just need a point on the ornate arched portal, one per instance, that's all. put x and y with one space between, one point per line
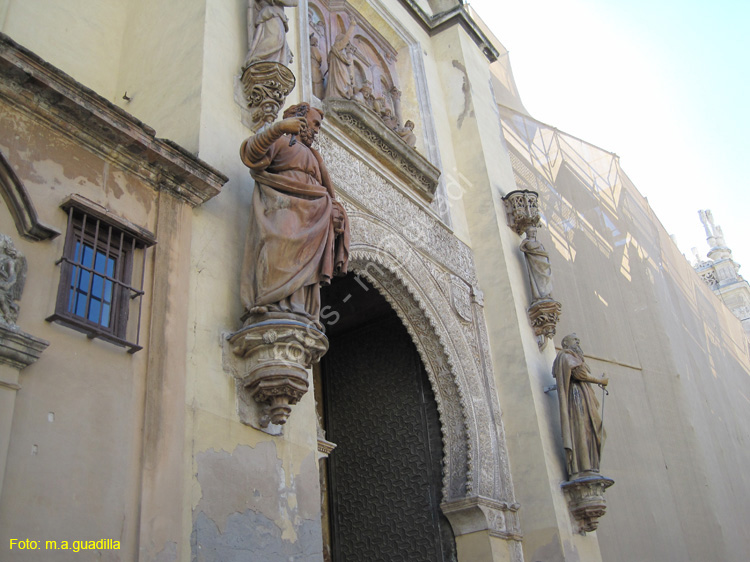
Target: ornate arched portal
451 340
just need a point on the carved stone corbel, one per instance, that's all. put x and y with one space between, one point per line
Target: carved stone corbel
275 357
477 513
266 86
586 500
544 315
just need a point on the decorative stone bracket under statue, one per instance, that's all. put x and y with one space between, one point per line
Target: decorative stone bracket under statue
523 217
271 373
583 435
586 500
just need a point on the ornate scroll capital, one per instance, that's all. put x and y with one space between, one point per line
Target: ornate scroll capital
544 315
586 500
266 86
521 209
276 355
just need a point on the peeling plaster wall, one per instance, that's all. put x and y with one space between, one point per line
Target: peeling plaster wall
73 464
249 509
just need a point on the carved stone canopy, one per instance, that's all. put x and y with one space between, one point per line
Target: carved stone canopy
521 209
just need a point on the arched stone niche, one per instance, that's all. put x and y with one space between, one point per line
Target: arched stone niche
375 60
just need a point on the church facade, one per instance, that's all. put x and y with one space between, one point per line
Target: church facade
148 413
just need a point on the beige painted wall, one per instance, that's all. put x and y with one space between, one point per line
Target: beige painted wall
678 364
73 465
83 38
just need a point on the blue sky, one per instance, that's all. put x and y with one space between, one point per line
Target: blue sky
664 84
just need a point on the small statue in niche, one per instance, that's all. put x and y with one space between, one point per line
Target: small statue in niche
582 430
298 235
340 59
267 37
316 58
406 132
12 278
538 265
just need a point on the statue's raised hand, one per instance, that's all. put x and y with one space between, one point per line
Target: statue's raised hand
293 125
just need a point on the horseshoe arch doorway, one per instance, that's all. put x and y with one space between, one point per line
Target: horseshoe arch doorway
382 485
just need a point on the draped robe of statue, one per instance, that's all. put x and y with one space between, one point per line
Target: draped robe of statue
269 32
340 81
538 266
292 247
582 432
316 68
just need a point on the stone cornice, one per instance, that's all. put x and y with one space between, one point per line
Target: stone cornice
368 129
458 15
34 86
18 348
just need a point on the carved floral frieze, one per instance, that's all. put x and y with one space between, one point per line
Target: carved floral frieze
367 130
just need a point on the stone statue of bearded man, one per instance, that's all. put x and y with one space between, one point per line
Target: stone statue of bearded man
298 234
582 432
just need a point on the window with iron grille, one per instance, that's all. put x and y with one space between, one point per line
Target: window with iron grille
101 257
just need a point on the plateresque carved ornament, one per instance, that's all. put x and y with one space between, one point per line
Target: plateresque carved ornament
586 500
266 86
277 356
521 209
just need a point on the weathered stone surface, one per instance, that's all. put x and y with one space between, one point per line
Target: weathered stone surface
370 131
586 500
30 84
275 358
245 496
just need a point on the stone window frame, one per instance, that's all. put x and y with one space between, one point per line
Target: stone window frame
116 238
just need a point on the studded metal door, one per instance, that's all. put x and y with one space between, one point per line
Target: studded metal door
385 475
